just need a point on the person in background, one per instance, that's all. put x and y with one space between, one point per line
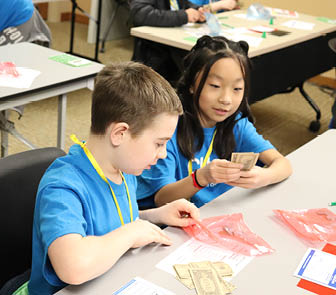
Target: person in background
86 215
164 59
21 22
216 122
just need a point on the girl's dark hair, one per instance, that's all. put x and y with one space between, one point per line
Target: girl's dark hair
199 60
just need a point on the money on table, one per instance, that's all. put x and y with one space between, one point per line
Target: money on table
206 276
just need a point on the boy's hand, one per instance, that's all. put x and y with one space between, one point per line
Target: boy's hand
145 233
178 213
219 171
194 15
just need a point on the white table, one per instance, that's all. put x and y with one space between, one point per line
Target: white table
280 63
312 185
56 79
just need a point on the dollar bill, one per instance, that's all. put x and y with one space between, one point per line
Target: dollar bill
222 268
187 282
247 159
206 281
200 264
219 269
182 271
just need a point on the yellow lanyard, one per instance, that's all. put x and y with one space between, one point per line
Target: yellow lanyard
207 155
174 5
102 175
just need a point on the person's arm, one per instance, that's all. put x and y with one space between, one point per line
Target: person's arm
153 13
222 5
277 169
217 171
77 259
177 213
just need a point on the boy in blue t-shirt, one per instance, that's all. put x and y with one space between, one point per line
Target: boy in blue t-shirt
86 215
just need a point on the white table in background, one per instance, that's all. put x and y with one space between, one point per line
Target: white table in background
56 79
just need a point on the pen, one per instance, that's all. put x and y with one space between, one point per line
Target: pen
332 204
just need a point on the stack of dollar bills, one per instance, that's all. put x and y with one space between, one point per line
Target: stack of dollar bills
247 159
207 277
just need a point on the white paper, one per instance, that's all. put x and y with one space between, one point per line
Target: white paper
262 29
139 286
297 24
282 12
319 267
241 15
251 40
194 251
234 34
24 80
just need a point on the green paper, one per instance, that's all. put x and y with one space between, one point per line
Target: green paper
228 26
191 39
326 20
70 60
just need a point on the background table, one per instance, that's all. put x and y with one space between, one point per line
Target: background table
279 64
311 186
56 79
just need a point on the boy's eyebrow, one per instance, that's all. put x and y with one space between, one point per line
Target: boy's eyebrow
164 138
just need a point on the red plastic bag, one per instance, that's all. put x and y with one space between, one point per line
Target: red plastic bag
8 68
313 225
230 232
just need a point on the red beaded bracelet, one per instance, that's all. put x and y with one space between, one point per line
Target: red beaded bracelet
195 182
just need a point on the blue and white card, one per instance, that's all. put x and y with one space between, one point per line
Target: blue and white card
139 286
318 267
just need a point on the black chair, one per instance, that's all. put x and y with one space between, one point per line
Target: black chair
332 45
20 175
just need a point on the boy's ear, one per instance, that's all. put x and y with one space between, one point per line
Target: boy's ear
117 132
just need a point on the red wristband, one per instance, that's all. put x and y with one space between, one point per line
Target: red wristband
195 182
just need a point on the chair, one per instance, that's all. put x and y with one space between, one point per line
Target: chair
20 175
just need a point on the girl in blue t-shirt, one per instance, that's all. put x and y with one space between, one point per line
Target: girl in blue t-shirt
216 122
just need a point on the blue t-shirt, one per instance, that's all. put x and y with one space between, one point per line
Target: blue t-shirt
73 198
15 12
175 166
200 2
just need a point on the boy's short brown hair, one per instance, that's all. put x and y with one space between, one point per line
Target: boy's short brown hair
133 93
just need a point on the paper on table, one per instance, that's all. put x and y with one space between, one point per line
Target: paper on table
297 24
193 251
316 288
139 286
319 267
24 80
235 34
261 29
241 15
251 40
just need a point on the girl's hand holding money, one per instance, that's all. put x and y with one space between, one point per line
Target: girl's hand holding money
218 171
254 178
